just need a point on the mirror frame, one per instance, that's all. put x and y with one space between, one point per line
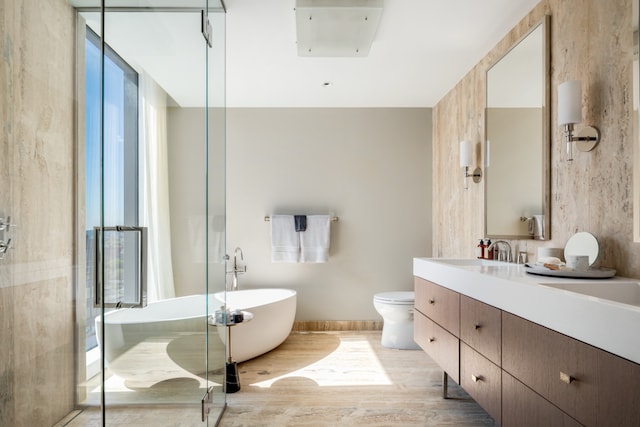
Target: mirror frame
546 131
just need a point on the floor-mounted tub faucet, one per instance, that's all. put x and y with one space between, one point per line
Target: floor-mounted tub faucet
237 270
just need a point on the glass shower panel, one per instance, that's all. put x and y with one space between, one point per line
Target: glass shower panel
155 169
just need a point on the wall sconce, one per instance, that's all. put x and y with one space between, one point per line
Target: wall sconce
570 113
467 149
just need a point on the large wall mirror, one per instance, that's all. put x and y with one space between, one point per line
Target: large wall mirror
517 140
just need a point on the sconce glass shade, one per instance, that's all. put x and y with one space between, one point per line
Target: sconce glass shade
466 154
570 102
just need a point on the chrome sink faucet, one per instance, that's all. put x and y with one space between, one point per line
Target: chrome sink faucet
237 270
503 254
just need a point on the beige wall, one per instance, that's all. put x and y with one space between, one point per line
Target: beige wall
370 167
36 189
188 198
594 193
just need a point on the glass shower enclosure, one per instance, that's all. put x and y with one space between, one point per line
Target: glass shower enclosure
151 210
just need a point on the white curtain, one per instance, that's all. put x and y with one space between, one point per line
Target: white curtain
155 216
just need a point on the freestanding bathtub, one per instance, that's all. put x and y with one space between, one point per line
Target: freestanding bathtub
168 336
273 310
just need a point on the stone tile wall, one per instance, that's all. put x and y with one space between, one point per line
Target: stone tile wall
592 41
36 189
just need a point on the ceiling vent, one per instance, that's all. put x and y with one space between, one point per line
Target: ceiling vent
336 28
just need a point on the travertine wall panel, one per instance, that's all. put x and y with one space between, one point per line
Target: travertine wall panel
36 190
591 41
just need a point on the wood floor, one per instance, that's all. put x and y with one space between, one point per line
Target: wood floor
322 379
346 379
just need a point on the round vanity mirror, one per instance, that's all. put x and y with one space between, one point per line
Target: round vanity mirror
583 244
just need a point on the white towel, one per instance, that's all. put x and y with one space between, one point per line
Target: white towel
314 242
285 241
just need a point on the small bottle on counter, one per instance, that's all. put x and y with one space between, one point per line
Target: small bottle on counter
480 250
488 254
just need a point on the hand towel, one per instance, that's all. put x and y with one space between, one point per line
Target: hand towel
301 222
314 242
285 241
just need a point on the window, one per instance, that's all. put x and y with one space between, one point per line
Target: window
120 163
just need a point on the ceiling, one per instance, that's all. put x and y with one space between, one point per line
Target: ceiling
421 50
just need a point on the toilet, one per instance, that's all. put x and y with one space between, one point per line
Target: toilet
396 309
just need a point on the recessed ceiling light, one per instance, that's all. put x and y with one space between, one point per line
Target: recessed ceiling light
326 84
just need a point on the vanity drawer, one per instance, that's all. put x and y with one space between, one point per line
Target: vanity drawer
482 379
522 407
481 328
559 368
443 347
440 304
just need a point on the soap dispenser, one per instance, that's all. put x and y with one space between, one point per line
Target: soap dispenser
480 250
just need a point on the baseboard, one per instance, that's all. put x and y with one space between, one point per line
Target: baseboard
336 325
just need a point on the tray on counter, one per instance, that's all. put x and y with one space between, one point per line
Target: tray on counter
591 273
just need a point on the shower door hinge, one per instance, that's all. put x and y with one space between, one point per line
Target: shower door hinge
206 28
207 403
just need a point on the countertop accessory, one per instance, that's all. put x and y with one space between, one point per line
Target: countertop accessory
591 273
583 244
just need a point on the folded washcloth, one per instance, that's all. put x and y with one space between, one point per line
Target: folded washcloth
285 241
314 242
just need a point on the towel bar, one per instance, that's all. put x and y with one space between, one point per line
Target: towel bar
267 218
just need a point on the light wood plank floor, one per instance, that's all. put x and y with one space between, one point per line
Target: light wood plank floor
346 379
322 379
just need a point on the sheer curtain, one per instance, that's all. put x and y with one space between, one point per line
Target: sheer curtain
153 136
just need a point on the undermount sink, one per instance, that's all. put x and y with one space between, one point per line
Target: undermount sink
619 291
471 262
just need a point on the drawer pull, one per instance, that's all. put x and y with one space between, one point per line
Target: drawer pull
477 326
432 301
431 339
476 378
566 378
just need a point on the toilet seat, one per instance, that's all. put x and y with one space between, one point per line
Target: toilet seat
398 298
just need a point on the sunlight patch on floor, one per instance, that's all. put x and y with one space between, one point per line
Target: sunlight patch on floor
353 363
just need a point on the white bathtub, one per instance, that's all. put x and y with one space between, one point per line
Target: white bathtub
168 336
273 310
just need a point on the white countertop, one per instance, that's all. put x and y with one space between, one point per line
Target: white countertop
606 324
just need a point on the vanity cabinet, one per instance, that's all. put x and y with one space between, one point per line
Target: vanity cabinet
436 325
522 373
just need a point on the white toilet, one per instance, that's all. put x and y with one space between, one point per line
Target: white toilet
396 309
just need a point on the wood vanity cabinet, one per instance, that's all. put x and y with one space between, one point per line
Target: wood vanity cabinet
524 374
436 325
